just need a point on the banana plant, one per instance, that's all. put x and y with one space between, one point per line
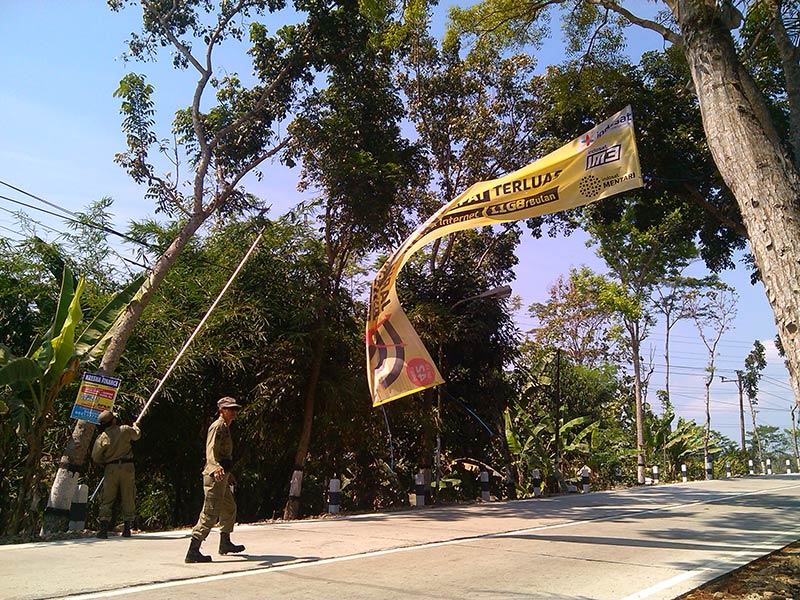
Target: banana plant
676 446
533 444
30 384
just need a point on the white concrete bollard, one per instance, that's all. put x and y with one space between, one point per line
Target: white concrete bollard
585 479
769 466
655 474
709 470
537 483
750 466
334 495
788 467
77 510
419 489
485 486
728 469
683 473
296 483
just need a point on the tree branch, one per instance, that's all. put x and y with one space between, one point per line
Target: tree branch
664 32
700 201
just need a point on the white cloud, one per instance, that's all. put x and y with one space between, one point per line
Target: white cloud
771 352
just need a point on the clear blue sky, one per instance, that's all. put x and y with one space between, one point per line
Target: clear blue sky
60 129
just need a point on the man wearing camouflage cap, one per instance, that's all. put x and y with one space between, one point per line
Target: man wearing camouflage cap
218 482
112 449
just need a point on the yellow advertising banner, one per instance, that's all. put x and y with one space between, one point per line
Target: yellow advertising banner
601 163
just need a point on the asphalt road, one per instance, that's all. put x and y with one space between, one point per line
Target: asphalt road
652 542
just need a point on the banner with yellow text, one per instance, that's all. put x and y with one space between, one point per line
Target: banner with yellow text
601 163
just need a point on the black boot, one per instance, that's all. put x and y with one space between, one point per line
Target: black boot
226 546
103 532
193 555
126 532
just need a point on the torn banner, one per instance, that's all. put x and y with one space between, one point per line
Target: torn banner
601 163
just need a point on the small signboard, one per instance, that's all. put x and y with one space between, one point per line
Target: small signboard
96 394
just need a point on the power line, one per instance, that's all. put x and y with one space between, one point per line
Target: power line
62 233
12 231
777 382
39 223
92 226
35 197
83 223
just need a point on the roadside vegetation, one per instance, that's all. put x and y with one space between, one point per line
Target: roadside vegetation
387 123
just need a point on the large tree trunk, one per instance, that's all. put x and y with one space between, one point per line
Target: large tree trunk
751 160
74 458
791 74
293 504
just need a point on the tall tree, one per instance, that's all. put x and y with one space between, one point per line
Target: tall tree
355 158
739 118
575 320
674 301
754 364
473 117
640 253
713 312
222 140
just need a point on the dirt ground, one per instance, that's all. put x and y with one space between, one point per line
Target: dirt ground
774 577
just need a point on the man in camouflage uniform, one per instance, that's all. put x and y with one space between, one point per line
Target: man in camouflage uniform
112 449
218 483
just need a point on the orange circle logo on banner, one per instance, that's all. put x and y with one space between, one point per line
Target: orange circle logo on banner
420 371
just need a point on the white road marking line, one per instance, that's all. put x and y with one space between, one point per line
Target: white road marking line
666 584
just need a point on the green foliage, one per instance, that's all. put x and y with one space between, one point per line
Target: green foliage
502 23
670 448
590 407
30 385
754 364
575 319
138 109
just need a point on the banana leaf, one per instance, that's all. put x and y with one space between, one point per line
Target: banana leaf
93 339
20 371
64 343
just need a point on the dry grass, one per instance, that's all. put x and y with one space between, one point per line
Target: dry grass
774 577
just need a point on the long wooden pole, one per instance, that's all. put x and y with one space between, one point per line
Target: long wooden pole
199 326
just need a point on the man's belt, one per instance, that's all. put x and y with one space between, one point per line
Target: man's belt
120 461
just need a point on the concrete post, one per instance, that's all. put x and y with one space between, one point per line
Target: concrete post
683 473
585 479
769 466
334 495
655 474
77 510
788 467
709 470
618 476
537 483
750 467
419 489
728 469
485 486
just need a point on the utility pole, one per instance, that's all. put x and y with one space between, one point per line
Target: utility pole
557 416
741 408
738 382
